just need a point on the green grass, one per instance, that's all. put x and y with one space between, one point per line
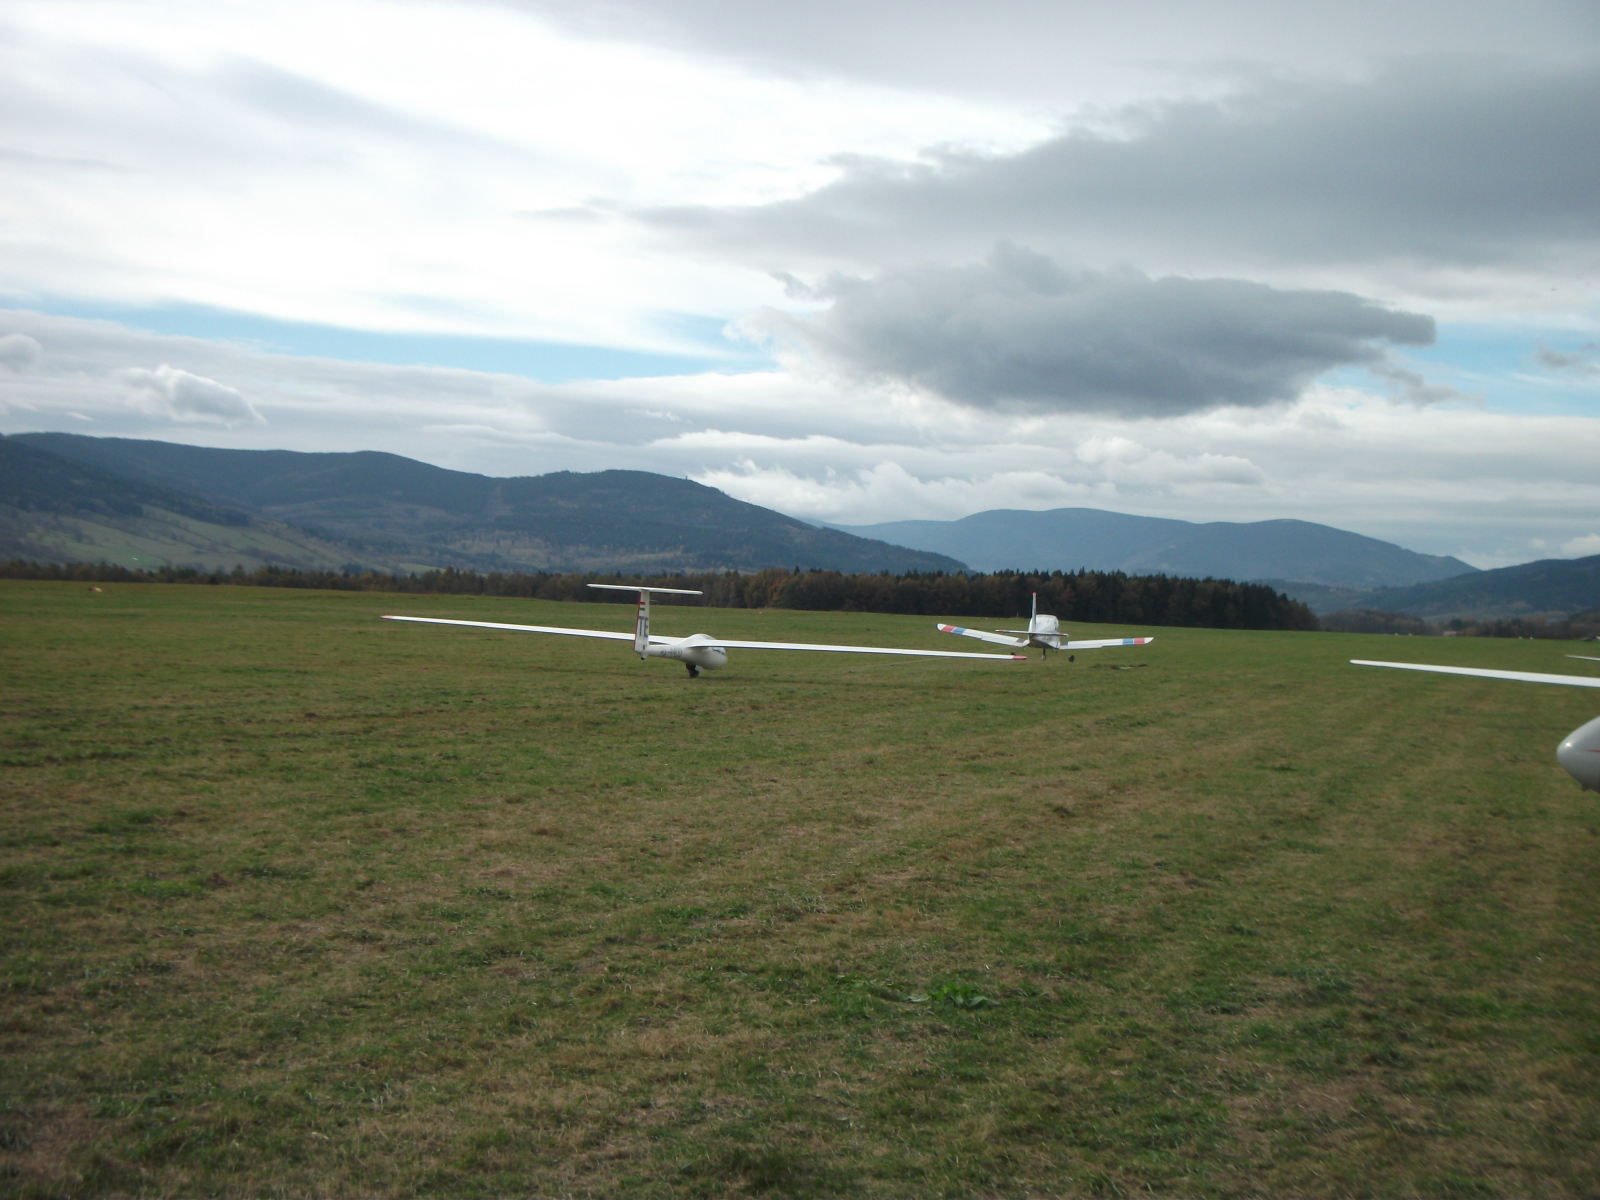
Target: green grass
298 902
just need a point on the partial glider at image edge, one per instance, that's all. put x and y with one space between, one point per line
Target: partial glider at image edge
698 651
1579 751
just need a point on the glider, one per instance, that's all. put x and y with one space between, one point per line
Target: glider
698 651
1579 752
1043 631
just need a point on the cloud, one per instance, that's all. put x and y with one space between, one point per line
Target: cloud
1582 547
1440 176
1469 481
369 181
1057 51
1414 388
1122 460
169 391
1018 330
18 351
1577 364
843 495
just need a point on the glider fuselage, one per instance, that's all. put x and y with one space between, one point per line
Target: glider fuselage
697 650
1579 754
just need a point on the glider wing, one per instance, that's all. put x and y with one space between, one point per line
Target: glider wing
589 633
864 650
1521 676
657 639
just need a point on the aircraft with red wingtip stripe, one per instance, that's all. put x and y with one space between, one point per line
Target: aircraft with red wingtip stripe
1043 631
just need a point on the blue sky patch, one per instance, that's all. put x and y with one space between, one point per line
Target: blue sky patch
548 362
1501 365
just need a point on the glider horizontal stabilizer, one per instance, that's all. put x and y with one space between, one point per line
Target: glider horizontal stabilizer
630 587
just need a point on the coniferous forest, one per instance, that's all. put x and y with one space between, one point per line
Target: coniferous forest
1084 596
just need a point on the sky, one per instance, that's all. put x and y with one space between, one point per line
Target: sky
857 262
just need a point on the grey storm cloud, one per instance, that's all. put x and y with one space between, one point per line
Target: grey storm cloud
1018 330
1461 165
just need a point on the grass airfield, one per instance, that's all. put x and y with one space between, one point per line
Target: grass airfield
298 902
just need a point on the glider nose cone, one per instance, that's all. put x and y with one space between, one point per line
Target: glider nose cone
1579 753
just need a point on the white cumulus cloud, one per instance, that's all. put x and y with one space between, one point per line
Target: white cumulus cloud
172 392
1582 547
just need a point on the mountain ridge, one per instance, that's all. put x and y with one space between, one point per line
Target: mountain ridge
1548 587
1069 538
393 513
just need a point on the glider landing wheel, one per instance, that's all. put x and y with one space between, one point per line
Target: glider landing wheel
694 671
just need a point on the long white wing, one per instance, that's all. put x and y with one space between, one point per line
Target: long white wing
1107 642
1522 676
983 635
864 650
590 633
657 639
1585 657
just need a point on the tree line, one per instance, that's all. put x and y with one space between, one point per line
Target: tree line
1101 597
1581 626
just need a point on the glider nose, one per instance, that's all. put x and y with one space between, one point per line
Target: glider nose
1579 753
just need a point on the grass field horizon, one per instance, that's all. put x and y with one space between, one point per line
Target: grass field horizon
300 902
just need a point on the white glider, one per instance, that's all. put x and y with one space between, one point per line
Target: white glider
698 651
1043 631
1579 752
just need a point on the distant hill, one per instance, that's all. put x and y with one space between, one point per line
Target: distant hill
392 513
1551 587
33 480
56 510
1069 538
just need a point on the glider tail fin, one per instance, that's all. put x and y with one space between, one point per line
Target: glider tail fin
641 628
